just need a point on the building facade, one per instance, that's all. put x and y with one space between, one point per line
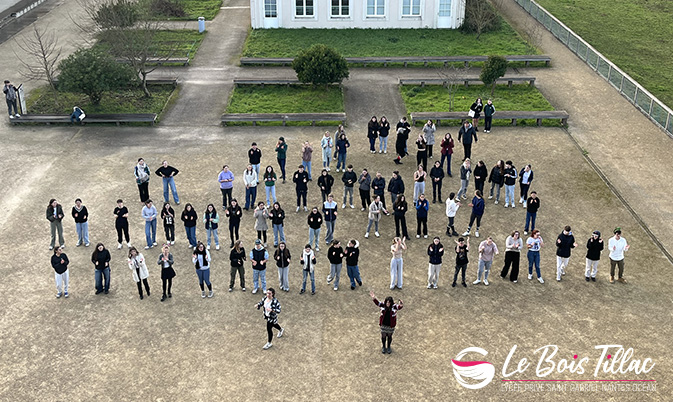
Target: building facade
357 13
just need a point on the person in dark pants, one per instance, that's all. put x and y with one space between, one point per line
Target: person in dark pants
478 205
462 248
226 180
101 262
234 213
525 180
55 217
465 136
372 133
480 174
476 107
271 311
300 179
513 246
401 144
532 205
489 111
594 248
436 176
168 217
325 182
142 175
387 319
379 187
422 152
422 206
365 182
138 268
165 261
121 214
10 92
237 258
400 209
395 186
281 155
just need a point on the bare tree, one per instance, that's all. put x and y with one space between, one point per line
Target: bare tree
43 54
480 15
453 77
533 33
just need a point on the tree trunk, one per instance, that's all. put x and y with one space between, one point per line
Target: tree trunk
144 84
493 88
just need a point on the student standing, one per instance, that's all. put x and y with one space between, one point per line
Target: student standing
142 175
465 136
594 248
254 159
422 151
375 209
465 172
534 244
480 176
384 131
149 214
462 248
308 261
510 181
379 187
397 263
271 311
476 107
617 246
496 178
306 156
532 205
283 257
59 261
349 178
436 175
281 155
525 180
168 218
139 270
489 111
335 255
352 267
329 209
478 205
452 205
81 216
226 179
387 320
314 221
419 182
101 262
564 243
11 92
372 133
326 144
55 216
270 184
300 179
487 250
211 220
422 207
435 252
167 174
447 150
188 217
395 186
121 214
165 261
325 183
201 260
250 179
342 146
234 214
277 216
365 183
513 246
261 215
400 209
429 132
259 257
237 257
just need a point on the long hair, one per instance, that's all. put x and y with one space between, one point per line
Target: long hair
188 205
268 174
284 253
51 202
131 250
94 255
400 200
237 245
385 303
502 167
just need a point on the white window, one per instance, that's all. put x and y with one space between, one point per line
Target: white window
376 8
270 9
340 8
304 8
444 8
411 8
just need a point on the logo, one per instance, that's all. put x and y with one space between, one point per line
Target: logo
474 370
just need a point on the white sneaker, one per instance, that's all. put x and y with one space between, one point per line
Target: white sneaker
540 279
343 206
329 279
467 233
425 236
211 293
305 209
525 204
128 245
317 248
255 289
506 206
336 288
563 271
217 247
525 232
147 247
17 115
476 234
418 236
362 209
513 205
380 151
11 117
490 197
496 202
297 209
385 152
154 244
367 235
530 276
429 286
119 246
434 286
268 345
203 294
476 282
377 234
485 281
521 201
280 334
352 206
173 243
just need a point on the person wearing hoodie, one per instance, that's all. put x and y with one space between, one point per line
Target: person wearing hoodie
212 220
400 210
342 146
379 187
489 111
395 186
496 178
314 221
300 179
435 252
237 257
480 176
452 205
81 216
277 216
59 261
401 143
429 130
142 175
349 178
525 180
564 243
55 217
281 155
121 214
259 257
335 255
168 218
325 183
510 177
465 136
308 262
384 130
422 206
365 182
375 209
594 248
372 133
436 176
283 257
352 268
101 262
189 218
478 207
234 213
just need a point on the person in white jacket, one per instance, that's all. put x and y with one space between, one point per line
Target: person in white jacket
308 262
452 205
375 209
250 179
139 270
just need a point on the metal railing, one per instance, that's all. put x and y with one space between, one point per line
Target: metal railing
640 97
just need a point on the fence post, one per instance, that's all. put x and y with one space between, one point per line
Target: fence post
621 85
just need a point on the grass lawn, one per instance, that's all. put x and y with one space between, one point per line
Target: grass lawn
385 42
44 101
435 98
195 9
177 43
636 35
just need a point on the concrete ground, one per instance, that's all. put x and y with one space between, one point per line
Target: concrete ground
117 347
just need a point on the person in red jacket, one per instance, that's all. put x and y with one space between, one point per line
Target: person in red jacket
387 319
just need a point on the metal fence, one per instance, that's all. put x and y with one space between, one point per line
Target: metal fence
640 97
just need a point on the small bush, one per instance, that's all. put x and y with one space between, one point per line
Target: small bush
320 64
167 8
116 14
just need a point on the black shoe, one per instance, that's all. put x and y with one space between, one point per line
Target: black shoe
231 245
455 234
352 287
99 292
107 291
450 175
587 279
397 161
453 285
359 283
464 284
384 350
390 350
301 292
170 295
141 297
312 292
163 297
148 293
593 279
434 201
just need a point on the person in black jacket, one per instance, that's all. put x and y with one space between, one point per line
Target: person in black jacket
532 205
283 257
564 243
480 174
436 176
314 221
465 136
372 133
489 111
325 183
168 218
594 248
395 186
189 218
349 178
55 216
277 216
476 107
121 214
379 187
497 178
167 173
510 181
384 130
237 257
300 179
81 216
352 255
101 262
400 208
435 252
59 261
401 143
234 213
335 255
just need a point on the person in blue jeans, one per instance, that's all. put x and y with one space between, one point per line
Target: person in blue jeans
101 262
329 210
352 268
534 244
308 262
532 205
189 218
167 174
342 146
201 260
211 219
149 214
510 181
259 257
81 216
277 216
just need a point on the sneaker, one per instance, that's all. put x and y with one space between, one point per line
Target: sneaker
425 236
385 152
390 350
490 197
367 235
119 246
336 288
622 280
496 202
563 271
429 286
384 350
464 196
267 346
106 291
467 233
380 151
317 248
464 284
58 295
337 170
87 244
515 281
587 278
476 234
65 295
99 292
242 289
542 280
612 279
312 292
513 205
525 204
217 247
79 243
305 209
453 285
211 293
362 209
51 247
147 247
434 286
254 291
506 206
352 287
593 279
128 245
154 244
11 117
418 236
485 282
203 294
352 206
301 292
343 206
377 234
530 276
359 283
169 295
62 246
558 279
163 297
329 279
476 282
231 289
297 209
280 334
525 232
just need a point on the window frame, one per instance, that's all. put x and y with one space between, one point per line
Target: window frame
305 16
411 9
341 16
264 4
375 16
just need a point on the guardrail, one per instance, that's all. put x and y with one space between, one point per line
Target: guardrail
20 13
640 97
